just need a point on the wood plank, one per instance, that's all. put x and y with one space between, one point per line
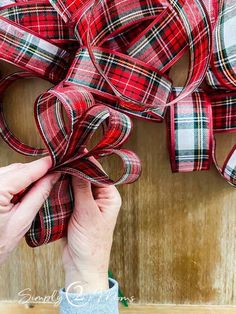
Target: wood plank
175 237
133 309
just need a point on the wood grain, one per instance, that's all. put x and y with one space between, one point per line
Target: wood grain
175 238
132 309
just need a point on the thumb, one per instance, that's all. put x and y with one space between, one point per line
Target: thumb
82 191
26 210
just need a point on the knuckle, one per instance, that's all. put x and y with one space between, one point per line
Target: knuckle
5 198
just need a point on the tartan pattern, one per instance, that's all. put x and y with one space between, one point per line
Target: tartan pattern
67 9
229 168
121 41
67 148
162 42
107 20
52 220
131 78
191 133
198 29
28 51
212 81
40 18
110 74
224 111
108 17
212 7
224 46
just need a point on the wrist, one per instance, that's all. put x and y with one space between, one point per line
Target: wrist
85 282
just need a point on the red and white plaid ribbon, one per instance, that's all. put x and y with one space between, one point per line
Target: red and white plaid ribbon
104 72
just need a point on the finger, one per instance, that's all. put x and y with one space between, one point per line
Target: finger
105 192
6 208
33 201
25 174
82 191
10 167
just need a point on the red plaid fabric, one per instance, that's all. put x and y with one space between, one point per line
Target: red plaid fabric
212 7
132 78
212 81
41 18
190 133
229 168
169 48
114 73
24 48
67 148
52 220
68 9
223 62
157 45
224 111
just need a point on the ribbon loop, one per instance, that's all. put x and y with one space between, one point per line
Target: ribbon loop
229 169
223 61
198 30
40 17
50 121
190 131
22 47
132 78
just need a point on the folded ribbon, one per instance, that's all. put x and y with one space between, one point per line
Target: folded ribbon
103 72
191 133
223 62
191 124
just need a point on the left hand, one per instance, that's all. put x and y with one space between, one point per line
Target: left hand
15 220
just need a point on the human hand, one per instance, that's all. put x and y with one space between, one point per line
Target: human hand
86 253
16 219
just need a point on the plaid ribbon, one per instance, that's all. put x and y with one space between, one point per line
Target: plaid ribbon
196 26
24 48
224 118
41 18
190 133
111 74
131 77
68 9
67 148
223 61
110 24
191 124
224 111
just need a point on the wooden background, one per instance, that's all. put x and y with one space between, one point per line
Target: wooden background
175 237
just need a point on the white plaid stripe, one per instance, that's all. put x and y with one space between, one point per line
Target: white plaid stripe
191 134
41 54
6 2
229 171
212 81
224 43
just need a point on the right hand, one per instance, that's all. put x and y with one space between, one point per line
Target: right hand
90 233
